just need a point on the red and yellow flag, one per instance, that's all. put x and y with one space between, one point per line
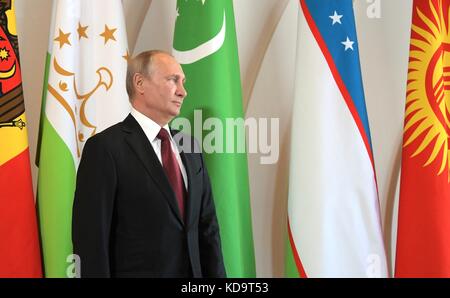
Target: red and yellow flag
423 239
19 241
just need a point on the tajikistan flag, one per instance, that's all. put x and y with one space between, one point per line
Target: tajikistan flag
84 94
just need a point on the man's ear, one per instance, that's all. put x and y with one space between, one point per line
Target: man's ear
138 82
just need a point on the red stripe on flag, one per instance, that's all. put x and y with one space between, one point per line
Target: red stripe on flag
298 262
19 241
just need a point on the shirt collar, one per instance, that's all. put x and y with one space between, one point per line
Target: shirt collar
150 127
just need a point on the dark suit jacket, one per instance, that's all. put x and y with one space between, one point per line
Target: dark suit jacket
126 221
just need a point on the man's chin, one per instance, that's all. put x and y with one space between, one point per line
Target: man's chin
176 112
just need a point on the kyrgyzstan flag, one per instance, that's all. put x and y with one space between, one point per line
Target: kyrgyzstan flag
423 239
19 242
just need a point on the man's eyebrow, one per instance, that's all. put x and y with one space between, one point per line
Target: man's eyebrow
177 76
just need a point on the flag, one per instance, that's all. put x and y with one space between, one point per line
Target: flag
206 46
19 241
84 93
423 238
334 223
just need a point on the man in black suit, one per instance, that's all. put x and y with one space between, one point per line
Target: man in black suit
143 207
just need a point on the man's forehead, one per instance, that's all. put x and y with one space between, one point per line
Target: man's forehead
165 59
168 64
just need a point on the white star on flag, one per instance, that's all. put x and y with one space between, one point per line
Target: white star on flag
336 18
348 44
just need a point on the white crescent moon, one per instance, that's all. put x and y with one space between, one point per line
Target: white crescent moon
203 50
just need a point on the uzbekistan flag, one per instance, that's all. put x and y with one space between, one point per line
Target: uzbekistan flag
334 221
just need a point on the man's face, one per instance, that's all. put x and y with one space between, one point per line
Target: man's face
163 89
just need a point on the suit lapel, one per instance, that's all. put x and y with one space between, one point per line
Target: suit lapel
141 146
191 191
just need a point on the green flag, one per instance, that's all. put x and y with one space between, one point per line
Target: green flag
205 44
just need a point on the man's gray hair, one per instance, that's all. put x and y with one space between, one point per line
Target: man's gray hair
142 63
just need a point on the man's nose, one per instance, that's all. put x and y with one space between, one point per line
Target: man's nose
181 91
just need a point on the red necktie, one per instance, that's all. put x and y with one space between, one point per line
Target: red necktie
172 169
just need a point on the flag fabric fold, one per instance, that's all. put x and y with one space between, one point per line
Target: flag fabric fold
334 224
19 241
206 46
84 93
423 238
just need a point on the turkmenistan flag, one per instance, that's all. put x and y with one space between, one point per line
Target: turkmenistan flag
84 94
206 46
19 241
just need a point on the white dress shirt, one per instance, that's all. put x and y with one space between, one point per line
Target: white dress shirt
151 130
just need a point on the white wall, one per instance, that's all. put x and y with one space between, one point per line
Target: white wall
266 31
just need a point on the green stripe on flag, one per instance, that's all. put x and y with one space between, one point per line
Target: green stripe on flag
56 188
290 266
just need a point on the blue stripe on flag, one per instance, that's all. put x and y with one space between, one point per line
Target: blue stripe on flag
336 22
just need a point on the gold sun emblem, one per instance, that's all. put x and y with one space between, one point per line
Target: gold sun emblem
4 54
428 93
